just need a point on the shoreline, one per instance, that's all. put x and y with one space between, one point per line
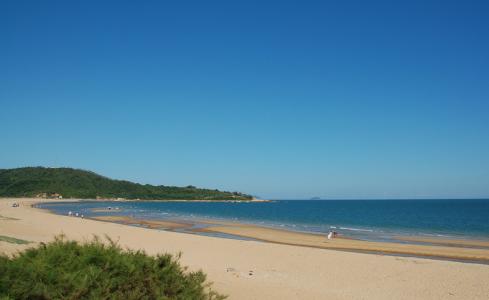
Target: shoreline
389 235
277 271
469 250
463 250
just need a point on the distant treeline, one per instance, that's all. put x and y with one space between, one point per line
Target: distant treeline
74 183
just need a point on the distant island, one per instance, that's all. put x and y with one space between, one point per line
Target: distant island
59 183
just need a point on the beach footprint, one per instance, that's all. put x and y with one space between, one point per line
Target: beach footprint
239 274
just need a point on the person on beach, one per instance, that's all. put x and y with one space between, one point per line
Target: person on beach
330 235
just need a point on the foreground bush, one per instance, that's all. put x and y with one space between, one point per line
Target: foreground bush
69 270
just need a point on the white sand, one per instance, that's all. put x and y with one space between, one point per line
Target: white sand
279 271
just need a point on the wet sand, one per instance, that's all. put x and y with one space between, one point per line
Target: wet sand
452 251
447 242
154 224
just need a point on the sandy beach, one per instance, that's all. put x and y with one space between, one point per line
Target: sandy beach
289 266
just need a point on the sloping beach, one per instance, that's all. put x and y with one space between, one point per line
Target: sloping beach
259 270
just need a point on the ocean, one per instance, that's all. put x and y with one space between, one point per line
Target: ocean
375 220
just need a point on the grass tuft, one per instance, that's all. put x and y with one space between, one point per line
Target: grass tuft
66 269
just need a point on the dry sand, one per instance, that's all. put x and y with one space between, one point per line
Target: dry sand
258 270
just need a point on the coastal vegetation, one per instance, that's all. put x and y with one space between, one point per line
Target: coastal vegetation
81 184
12 240
68 270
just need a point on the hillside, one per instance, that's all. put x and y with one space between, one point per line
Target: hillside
74 183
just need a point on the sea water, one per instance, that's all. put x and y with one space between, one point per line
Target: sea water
376 220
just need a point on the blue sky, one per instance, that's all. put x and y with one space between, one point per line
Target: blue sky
285 99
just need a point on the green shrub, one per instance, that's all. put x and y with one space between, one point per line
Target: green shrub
70 270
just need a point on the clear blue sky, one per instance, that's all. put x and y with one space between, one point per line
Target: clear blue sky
285 99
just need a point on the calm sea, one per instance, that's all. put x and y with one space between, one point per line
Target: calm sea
366 219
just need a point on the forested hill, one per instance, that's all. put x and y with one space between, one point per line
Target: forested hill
74 183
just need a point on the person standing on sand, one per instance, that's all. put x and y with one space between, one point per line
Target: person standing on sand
330 235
